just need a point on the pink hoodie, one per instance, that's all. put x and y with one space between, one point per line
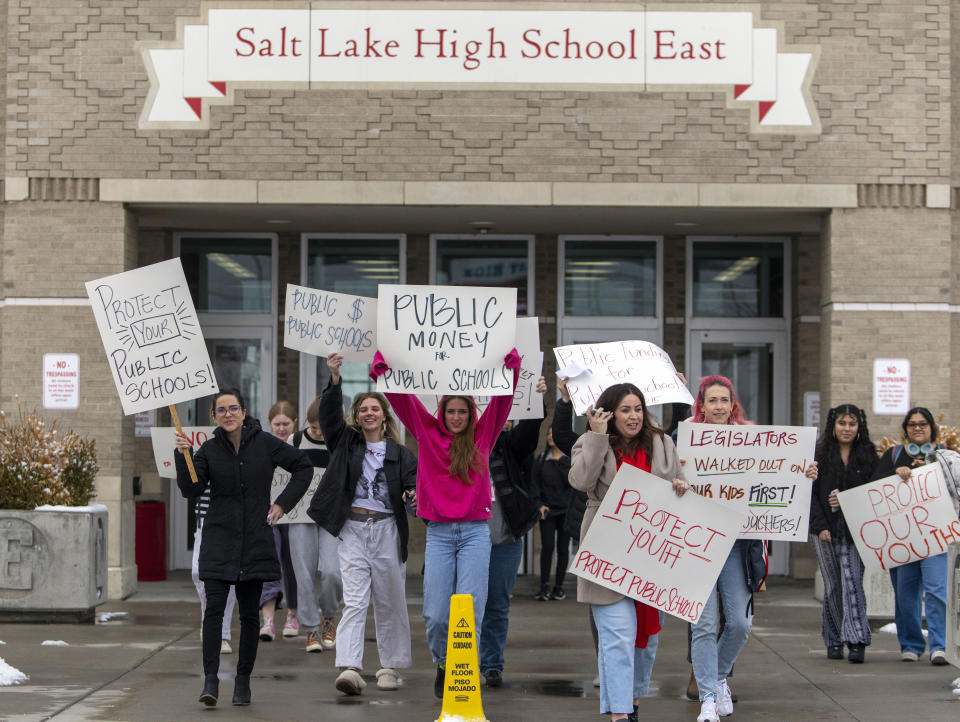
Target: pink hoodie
441 496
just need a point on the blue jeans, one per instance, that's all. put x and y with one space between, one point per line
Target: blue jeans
625 669
915 585
713 658
456 561
504 563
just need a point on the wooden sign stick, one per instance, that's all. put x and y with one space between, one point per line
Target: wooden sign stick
186 457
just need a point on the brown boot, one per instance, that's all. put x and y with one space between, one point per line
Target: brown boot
693 692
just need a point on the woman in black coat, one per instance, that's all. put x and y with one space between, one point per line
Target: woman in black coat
238 548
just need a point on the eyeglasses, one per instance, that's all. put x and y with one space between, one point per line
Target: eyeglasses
918 425
223 410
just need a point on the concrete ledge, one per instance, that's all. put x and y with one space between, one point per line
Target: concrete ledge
458 193
16 188
331 192
938 195
129 190
625 194
121 581
778 195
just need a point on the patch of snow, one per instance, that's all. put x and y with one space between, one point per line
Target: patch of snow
54 643
955 683
107 616
956 693
89 507
889 628
11 675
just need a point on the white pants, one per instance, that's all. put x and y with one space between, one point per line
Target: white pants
370 562
313 548
195 575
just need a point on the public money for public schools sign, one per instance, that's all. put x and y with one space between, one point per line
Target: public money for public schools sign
446 339
894 522
321 322
152 337
165 443
593 368
651 545
527 403
513 45
759 471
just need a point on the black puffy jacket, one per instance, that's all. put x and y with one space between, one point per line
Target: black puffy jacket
237 541
565 437
513 494
331 503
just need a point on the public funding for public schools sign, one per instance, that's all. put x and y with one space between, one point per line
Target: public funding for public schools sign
515 45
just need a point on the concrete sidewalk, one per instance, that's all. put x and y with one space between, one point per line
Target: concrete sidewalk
146 666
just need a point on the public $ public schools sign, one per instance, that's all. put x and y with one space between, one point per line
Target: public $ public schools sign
498 46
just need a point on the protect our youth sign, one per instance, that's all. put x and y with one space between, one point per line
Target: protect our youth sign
648 544
151 334
527 403
323 322
592 368
894 521
446 339
759 471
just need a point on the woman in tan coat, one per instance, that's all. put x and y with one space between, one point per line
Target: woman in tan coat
620 431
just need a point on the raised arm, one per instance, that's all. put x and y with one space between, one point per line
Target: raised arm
330 410
408 408
495 415
563 434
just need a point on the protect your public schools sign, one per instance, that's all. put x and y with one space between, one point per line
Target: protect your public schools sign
496 45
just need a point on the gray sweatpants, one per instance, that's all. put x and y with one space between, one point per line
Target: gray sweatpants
311 549
370 561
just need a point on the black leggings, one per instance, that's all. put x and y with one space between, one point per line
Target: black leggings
248 602
551 530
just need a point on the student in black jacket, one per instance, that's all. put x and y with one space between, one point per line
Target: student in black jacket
362 499
552 493
238 546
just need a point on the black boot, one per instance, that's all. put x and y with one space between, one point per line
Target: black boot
241 690
856 653
211 688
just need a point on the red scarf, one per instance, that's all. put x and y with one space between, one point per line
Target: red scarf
648 618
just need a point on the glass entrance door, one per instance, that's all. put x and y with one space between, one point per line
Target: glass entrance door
242 358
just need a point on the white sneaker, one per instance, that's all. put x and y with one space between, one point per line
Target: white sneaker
388 679
708 711
225 647
724 699
350 682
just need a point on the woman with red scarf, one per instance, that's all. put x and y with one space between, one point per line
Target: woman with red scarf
620 431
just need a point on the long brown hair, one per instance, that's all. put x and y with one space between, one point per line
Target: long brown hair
609 401
464 454
389 425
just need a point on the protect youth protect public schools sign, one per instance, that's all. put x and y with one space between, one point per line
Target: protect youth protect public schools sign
652 48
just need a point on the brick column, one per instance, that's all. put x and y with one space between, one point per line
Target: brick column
49 250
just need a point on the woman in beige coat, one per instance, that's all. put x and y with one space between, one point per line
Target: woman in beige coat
620 431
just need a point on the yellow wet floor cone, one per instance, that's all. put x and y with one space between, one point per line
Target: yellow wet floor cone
461 682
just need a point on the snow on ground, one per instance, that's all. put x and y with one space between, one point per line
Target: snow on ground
10 675
107 616
54 643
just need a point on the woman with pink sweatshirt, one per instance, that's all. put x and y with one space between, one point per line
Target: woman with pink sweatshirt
453 497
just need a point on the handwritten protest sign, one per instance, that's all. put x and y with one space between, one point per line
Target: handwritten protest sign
298 514
527 403
321 322
164 444
648 544
758 471
594 367
152 337
894 522
446 339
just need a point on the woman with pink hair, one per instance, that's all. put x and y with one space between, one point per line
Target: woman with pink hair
713 657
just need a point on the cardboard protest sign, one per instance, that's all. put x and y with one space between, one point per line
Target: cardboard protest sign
446 339
298 514
527 403
894 522
323 322
592 368
165 444
648 544
151 334
758 471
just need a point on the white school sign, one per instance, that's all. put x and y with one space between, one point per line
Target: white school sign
151 334
648 544
323 322
759 471
495 45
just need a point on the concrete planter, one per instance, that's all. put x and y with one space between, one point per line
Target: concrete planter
53 563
